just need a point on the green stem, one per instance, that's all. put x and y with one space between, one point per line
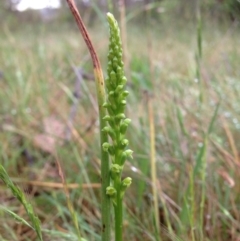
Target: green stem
105 174
118 209
101 96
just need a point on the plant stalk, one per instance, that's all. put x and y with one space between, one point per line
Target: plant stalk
118 211
117 124
101 96
153 168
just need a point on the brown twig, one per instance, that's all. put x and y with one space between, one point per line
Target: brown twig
57 184
82 28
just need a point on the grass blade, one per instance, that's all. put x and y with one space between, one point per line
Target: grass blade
18 193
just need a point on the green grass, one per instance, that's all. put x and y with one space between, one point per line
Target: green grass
36 61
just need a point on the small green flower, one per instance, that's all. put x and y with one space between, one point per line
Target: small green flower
125 155
125 184
112 193
106 146
116 171
116 168
124 125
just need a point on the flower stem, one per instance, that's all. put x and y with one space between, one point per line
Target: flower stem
118 211
105 175
101 96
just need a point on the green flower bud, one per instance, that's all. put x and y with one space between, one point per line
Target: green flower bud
123 102
115 168
115 171
123 80
119 71
113 76
111 191
121 62
120 116
107 118
105 146
109 130
125 94
124 126
125 184
123 158
124 143
111 93
126 154
115 60
119 88
105 105
108 106
116 49
129 153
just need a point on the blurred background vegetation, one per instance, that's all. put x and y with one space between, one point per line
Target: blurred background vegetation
182 61
181 9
